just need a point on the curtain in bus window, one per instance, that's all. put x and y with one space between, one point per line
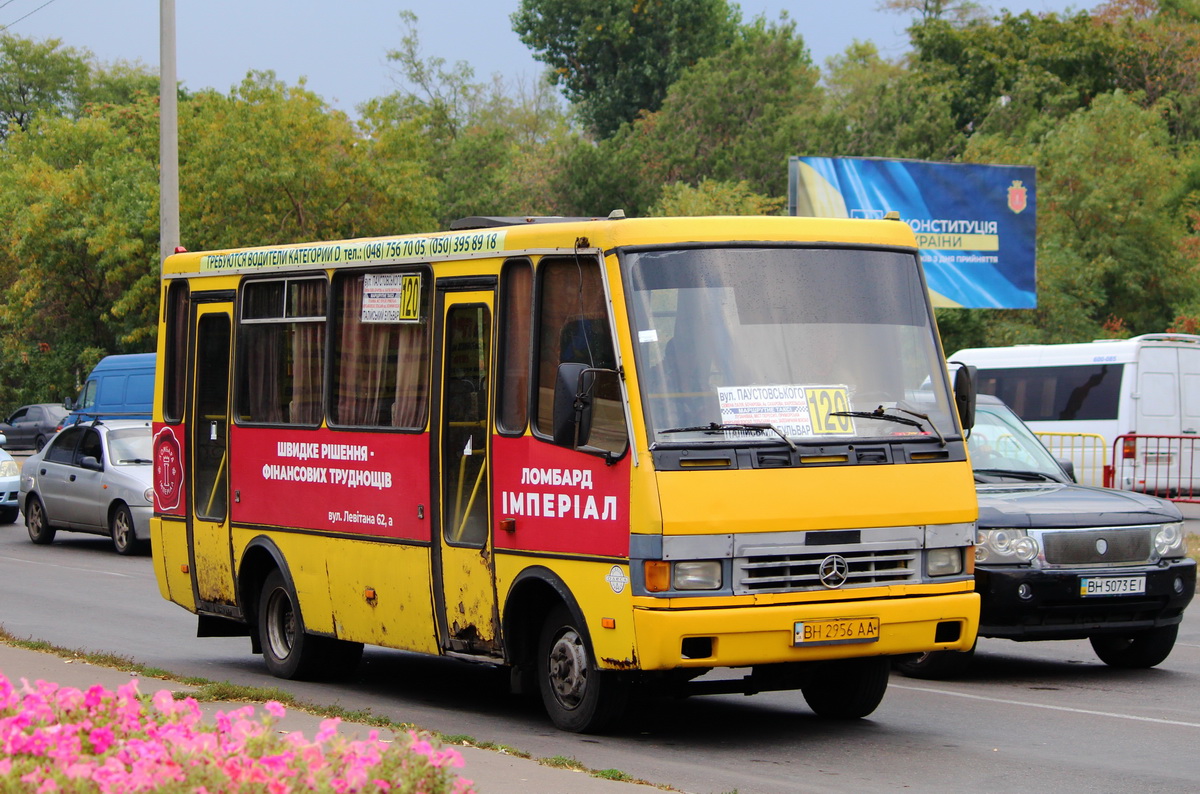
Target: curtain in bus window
361 390
281 364
412 376
380 379
308 352
261 373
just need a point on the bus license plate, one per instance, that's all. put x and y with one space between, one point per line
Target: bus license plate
829 632
1112 585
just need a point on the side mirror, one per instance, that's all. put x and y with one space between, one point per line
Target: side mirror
3 439
964 395
91 462
69 403
1069 467
573 404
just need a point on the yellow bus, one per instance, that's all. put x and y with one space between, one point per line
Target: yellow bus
618 456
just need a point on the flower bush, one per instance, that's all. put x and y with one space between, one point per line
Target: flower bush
61 739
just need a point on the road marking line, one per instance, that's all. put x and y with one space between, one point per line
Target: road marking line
1047 706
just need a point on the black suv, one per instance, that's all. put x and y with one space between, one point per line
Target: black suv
1059 561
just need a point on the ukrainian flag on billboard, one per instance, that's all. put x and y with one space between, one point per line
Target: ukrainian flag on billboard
976 224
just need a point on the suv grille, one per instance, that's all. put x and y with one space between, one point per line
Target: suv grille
1083 546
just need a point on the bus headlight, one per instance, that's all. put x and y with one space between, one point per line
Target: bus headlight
998 546
1168 540
698 575
943 562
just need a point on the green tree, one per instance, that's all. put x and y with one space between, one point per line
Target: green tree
956 11
38 77
271 163
493 148
880 108
1157 57
712 197
79 247
617 58
1019 75
733 117
1109 241
740 113
119 83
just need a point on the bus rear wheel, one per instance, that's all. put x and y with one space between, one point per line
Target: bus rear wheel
288 651
578 697
848 689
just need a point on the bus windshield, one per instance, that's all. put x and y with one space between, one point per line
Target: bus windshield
809 344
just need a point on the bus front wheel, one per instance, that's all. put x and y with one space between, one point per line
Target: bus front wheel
848 689
578 697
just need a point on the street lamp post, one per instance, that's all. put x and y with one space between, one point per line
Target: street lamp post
168 134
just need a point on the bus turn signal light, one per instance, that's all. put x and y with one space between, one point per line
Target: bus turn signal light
658 576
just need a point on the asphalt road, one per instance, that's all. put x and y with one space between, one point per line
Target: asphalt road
1048 716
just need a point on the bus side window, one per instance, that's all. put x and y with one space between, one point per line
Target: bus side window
573 326
178 305
380 372
516 320
281 362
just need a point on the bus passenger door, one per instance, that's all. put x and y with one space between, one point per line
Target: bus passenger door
208 472
464 572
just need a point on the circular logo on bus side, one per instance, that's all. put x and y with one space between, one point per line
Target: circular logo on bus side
616 579
834 571
168 471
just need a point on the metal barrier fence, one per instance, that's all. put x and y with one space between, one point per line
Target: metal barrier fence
1161 465
1088 452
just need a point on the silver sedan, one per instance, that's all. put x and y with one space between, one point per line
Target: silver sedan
95 478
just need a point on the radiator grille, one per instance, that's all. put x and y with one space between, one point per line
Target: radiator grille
1092 546
786 573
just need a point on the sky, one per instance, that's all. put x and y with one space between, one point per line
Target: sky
340 46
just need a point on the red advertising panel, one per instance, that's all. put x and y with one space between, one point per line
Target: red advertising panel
560 500
373 484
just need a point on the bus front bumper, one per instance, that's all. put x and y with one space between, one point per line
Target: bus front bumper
756 635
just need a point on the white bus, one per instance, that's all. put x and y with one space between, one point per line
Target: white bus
1147 385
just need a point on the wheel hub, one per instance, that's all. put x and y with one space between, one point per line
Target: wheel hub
282 623
568 669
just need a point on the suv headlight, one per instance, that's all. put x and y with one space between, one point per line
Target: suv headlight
1169 540
9 468
999 546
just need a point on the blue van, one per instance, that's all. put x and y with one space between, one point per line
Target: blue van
119 386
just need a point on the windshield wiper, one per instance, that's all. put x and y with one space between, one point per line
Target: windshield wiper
1019 474
716 427
880 413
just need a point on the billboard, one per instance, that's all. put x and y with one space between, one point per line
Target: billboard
975 224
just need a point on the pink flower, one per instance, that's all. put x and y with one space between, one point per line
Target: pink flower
164 701
275 709
328 729
102 739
